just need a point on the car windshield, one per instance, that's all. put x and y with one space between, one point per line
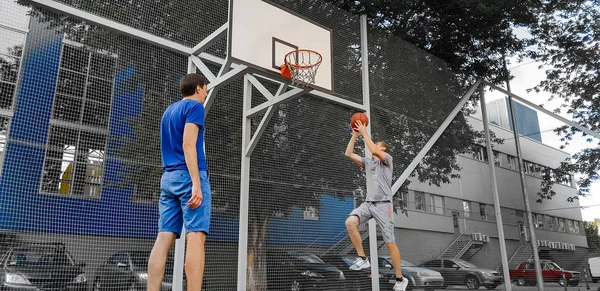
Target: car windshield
385 264
39 256
140 260
465 264
552 266
308 258
406 263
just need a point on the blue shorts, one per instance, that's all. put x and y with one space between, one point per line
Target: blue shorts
176 191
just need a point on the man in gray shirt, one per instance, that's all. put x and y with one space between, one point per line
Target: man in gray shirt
378 203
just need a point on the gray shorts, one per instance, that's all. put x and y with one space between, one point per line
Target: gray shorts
383 214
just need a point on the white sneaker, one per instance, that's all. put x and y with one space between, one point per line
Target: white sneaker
360 264
401 286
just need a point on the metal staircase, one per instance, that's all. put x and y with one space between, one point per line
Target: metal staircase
458 247
344 245
522 254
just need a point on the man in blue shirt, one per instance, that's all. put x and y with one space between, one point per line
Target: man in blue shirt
185 188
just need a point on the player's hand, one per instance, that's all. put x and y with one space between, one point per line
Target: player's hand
360 127
196 199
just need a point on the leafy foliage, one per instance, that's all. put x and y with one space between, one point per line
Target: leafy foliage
567 41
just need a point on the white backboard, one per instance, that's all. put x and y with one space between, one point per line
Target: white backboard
262 33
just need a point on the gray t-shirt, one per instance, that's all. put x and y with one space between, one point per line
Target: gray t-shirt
379 178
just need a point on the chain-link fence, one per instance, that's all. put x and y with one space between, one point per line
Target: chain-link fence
81 101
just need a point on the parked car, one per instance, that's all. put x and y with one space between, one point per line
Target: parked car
461 272
360 280
301 270
41 266
128 270
417 277
524 274
594 268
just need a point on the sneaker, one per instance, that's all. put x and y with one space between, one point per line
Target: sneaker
360 264
401 286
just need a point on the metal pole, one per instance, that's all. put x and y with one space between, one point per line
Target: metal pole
244 190
366 103
534 247
491 162
179 255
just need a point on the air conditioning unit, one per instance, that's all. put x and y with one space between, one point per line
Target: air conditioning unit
545 243
552 245
486 238
474 236
573 248
563 246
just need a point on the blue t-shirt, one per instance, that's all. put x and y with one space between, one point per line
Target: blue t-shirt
171 134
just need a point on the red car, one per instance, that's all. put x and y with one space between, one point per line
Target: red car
551 272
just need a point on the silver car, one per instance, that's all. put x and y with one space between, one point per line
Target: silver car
420 278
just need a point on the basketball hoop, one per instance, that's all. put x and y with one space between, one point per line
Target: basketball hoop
301 66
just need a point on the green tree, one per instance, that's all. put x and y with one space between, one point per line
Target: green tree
592 235
568 44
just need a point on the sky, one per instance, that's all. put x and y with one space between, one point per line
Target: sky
527 75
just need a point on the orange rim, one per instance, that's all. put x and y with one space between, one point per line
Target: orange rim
298 67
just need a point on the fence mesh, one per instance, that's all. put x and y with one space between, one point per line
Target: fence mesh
80 161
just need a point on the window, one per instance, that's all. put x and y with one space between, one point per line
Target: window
11 53
4 121
435 204
538 220
566 180
449 264
419 201
549 222
483 211
311 213
433 264
513 163
561 224
571 226
467 208
496 158
480 153
404 200
75 152
576 227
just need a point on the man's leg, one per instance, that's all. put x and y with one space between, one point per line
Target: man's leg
158 259
357 216
395 255
352 225
197 223
194 260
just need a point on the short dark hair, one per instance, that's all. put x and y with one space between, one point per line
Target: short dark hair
385 145
189 82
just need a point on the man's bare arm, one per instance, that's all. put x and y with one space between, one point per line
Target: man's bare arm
350 150
190 137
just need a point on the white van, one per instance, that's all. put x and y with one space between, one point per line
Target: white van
594 266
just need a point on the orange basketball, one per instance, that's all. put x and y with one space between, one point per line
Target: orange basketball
358 116
285 71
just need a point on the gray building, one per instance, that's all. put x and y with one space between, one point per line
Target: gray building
463 211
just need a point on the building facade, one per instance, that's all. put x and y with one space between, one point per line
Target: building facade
465 206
